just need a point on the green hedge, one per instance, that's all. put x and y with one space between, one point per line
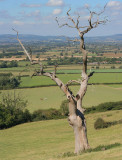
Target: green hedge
104 107
12 113
100 123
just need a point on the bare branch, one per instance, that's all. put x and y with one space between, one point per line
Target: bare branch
40 72
15 31
62 25
76 25
103 10
73 81
96 23
25 51
78 20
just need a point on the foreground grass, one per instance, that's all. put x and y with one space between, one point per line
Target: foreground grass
48 140
51 97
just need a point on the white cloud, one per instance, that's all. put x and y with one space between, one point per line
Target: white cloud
113 3
31 15
30 5
55 3
34 14
117 5
16 22
57 11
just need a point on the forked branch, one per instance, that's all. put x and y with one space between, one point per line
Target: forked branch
51 75
90 25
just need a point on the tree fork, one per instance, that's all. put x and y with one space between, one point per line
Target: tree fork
76 112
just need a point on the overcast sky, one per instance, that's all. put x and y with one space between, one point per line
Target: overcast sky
38 16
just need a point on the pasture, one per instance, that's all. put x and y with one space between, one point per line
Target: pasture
51 97
45 81
48 140
24 68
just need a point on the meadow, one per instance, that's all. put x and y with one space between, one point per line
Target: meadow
48 140
45 81
24 68
51 97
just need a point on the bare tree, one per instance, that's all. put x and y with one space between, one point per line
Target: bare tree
76 116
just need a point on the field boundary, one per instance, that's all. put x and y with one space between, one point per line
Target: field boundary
52 85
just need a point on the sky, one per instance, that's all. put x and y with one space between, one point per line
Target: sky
37 17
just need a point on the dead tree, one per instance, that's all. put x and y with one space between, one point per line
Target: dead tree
76 116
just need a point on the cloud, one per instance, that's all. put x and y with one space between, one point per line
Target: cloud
30 5
35 14
16 22
57 11
55 3
114 10
116 5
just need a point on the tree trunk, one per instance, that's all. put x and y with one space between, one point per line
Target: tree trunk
77 121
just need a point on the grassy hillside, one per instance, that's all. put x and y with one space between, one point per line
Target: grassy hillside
47 140
51 97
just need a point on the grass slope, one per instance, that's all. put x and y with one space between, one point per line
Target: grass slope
47 140
51 97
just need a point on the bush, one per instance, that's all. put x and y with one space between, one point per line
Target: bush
120 67
5 64
64 108
100 123
12 111
113 67
104 107
8 81
46 114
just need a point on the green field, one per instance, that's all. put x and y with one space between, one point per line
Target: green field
47 140
25 68
96 78
116 86
95 70
51 97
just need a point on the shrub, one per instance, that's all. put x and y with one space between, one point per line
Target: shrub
120 67
12 111
100 123
46 114
113 67
8 81
64 108
105 107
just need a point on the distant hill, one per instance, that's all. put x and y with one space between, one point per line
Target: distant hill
9 38
111 38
